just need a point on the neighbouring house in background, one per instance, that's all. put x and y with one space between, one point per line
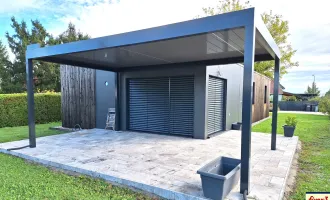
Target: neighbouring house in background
194 101
298 102
280 91
298 96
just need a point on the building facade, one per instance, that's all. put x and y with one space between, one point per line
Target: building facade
195 101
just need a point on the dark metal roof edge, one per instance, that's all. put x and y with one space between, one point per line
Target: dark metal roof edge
181 29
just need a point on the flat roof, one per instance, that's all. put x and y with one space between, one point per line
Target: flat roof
299 94
217 39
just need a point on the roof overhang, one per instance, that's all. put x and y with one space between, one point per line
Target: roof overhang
211 40
302 95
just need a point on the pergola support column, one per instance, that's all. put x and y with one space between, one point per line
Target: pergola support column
275 102
117 101
30 96
247 107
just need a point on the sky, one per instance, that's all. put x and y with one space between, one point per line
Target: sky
309 23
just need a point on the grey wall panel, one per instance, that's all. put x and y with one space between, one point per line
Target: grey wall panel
233 74
105 95
199 73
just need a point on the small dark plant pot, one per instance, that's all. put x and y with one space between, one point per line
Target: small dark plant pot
219 177
289 130
236 126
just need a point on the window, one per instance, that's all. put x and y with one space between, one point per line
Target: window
265 97
253 92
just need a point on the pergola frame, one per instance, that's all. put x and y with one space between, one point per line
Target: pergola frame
245 18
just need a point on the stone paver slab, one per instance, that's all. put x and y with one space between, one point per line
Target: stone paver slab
164 165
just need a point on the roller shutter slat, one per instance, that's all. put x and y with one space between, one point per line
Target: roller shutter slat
162 105
215 105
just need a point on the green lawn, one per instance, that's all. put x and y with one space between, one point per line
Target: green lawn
314 159
22 132
22 180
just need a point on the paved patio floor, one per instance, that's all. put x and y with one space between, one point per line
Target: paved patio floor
164 165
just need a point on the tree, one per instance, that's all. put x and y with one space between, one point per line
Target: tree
5 66
47 75
71 35
327 94
313 89
324 105
278 28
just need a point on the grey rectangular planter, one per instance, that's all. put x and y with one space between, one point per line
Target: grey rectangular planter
289 130
236 126
219 177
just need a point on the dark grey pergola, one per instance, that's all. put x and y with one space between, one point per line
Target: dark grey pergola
234 37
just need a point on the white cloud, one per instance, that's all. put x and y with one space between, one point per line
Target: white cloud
310 69
107 18
310 30
308 21
9 7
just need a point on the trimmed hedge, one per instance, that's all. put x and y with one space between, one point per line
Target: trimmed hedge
13 109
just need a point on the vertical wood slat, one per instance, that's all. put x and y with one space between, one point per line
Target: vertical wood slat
63 93
81 97
92 97
260 109
78 96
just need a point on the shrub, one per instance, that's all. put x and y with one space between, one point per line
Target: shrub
324 105
289 98
14 112
291 121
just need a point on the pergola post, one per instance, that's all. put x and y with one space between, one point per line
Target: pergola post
247 107
30 96
275 102
117 101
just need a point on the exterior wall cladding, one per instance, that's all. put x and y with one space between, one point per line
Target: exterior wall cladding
105 96
233 74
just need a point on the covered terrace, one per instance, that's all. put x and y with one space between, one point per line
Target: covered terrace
236 37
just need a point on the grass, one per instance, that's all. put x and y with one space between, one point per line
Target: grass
8 134
23 180
314 163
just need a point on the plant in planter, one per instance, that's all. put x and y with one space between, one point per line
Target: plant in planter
290 126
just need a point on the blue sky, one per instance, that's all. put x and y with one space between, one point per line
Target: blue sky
309 25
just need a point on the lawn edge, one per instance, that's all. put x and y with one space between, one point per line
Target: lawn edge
141 187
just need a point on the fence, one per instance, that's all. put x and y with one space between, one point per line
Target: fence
295 105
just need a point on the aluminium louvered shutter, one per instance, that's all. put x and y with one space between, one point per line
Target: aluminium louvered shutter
149 105
182 105
138 104
158 105
161 105
215 108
